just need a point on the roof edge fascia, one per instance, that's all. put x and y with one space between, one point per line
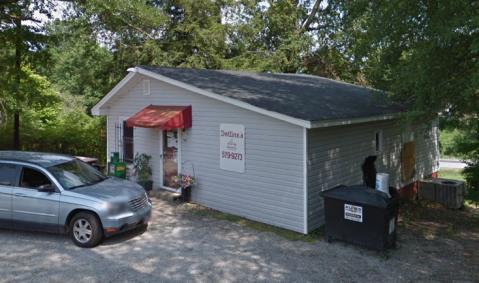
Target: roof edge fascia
96 109
350 121
279 116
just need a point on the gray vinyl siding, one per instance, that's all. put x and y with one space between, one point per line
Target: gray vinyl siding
270 191
335 155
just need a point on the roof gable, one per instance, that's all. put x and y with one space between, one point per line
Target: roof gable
305 99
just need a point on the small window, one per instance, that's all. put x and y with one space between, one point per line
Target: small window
146 87
379 141
7 174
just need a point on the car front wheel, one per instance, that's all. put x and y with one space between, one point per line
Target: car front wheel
86 230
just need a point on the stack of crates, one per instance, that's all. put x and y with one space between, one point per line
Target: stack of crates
115 167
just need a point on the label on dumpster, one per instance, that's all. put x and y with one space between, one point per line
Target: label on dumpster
392 223
353 212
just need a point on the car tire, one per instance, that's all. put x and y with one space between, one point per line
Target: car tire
86 230
143 227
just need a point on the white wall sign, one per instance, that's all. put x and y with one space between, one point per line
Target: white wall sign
353 212
232 155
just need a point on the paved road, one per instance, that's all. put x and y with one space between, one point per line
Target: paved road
451 164
180 246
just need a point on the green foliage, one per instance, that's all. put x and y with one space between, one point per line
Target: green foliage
454 174
471 174
446 142
285 36
142 167
73 133
38 100
278 36
21 43
47 125
466 145
423 54
80 67
131 29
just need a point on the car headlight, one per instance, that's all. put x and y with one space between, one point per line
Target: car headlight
117 208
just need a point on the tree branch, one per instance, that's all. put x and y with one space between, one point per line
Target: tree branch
8 2
319 27
140 30
308 22
24 19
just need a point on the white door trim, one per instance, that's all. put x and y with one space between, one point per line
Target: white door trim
179 150
161 159
162 145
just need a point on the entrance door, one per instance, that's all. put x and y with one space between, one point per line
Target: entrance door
171 147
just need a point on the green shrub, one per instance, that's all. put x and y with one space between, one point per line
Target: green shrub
471 174
73 133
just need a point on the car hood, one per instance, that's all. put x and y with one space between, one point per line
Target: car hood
112 189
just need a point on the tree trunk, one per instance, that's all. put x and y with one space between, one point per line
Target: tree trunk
18 70
16 135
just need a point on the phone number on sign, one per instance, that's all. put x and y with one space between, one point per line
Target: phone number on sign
231 155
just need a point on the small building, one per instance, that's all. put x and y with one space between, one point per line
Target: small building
262 146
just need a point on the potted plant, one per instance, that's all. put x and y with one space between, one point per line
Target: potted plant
142 170
184 182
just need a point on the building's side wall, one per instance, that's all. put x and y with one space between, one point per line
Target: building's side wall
335 156
271 190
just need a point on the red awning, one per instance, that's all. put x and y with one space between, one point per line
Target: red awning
162 117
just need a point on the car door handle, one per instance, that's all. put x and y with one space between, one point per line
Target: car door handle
19 195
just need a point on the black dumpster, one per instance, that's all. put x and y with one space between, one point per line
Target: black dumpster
362 215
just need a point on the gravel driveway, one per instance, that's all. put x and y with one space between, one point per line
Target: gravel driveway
180 246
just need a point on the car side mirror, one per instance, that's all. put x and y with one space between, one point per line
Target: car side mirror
46 189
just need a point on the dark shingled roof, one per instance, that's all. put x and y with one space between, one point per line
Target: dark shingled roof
305 97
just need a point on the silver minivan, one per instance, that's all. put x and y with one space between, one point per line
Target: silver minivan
59 193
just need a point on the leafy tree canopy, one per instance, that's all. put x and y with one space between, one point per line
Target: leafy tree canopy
424 52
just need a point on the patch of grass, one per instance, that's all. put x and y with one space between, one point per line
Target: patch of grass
431 219
200 212
290 235
453 174
229 217
446 142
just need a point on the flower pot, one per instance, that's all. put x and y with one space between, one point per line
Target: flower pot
147 185
186 194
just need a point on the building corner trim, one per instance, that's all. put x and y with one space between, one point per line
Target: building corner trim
305 179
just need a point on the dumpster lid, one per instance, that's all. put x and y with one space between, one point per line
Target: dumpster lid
369 171
363 195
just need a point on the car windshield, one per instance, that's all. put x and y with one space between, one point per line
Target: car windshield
75 174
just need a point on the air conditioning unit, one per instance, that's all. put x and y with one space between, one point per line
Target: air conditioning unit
451 193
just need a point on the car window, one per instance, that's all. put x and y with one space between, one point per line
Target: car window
7 174
75 174
32 178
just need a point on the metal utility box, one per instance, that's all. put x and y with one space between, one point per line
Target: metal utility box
362 215
117 169
114 157
451 193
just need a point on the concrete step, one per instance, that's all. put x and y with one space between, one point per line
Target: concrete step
164 195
